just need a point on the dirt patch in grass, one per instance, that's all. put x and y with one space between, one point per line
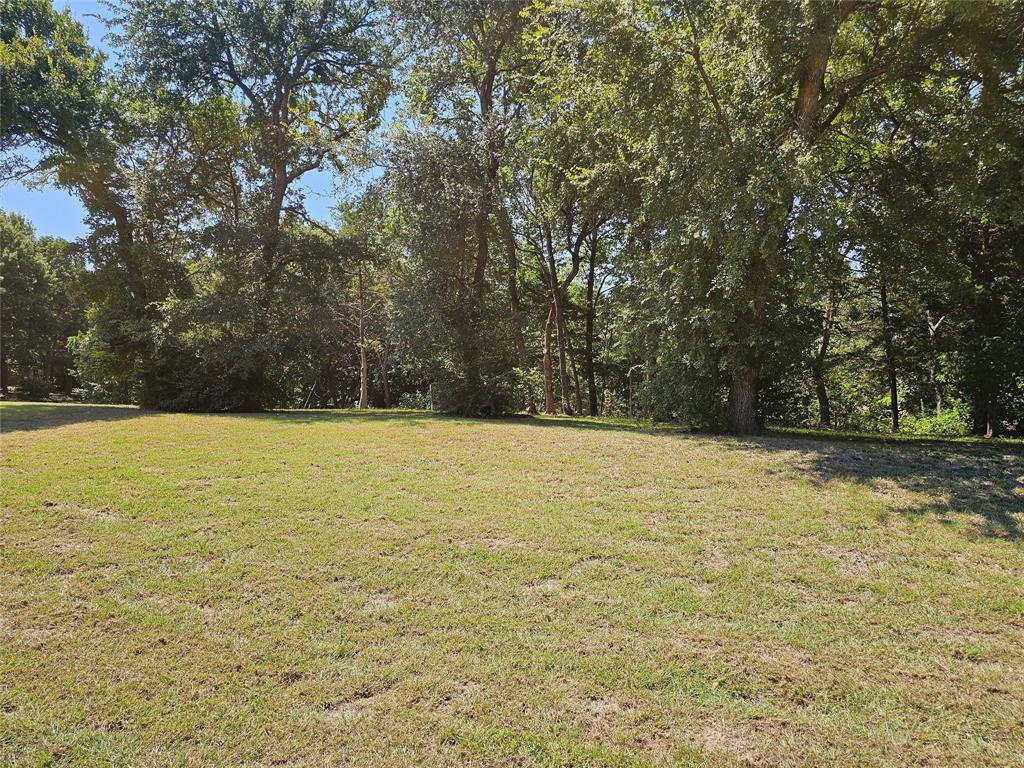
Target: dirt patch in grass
544 586
724 741
381 601
718 739
353 709
101 514
714 560
66 547
347 711
856 564
37 637
494 544
606 716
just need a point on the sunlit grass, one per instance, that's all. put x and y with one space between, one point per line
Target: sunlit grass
310 588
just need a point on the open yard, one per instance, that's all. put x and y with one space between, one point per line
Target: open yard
398 589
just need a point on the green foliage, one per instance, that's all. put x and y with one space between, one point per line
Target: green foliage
953 421
450 335
40 299
268 94
755 202
52 79
733 213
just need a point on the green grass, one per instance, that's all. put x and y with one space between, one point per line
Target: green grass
898 437
399 589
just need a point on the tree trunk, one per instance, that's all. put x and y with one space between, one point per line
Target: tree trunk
472 351
364 370
933 360
890 358
818 369
563 369
629 386
575 375
743 389
512 261
824 409
384 379
609 342
364 363
100 189
984 416
750 328
764 266
588 351
549 384
557 297
988 318
743 403
933 374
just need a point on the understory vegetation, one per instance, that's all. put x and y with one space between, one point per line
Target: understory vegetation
721 214
368 588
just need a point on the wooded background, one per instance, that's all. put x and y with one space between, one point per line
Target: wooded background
727 214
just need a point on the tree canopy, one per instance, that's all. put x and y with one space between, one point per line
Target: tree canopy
727 214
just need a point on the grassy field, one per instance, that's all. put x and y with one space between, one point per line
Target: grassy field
400 589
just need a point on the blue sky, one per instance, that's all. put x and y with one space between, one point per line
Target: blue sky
58 213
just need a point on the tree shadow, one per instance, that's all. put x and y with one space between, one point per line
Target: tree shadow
918 477
928 477
30 416
27 417
944 480
934 478
601 424
326 416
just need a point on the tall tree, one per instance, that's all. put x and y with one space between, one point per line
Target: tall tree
304 78
462 86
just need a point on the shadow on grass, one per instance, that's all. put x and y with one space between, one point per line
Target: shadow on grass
920 476
327 416
26 417
943 479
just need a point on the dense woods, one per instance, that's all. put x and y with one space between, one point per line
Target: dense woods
727 214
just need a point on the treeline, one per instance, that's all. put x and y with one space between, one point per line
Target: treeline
721 213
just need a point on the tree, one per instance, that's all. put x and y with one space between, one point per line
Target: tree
462 89
119 154
719 213
40 283
302 79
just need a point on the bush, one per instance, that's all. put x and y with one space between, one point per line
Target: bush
417 401
34 386
495 395
954 421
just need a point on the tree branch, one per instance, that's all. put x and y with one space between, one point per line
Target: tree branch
699 61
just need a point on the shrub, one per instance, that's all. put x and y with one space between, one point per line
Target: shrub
954 421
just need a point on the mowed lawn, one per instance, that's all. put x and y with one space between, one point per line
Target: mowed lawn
402 589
